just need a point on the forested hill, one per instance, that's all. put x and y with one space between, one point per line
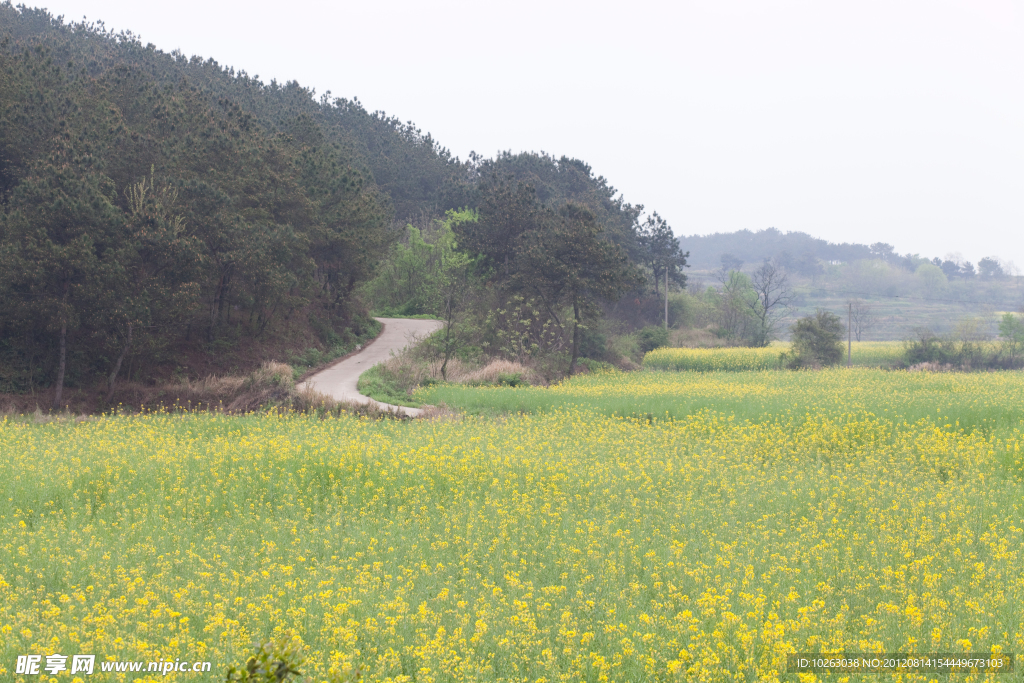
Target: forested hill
753 247
156 207
411 169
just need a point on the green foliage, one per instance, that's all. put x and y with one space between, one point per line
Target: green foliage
688 309
568 262
931 276
652 337
150 201
963 348
381 384
402 284
1011 332
817 341
596 366
659 250
593 344
990 268
930 348
528 181
735 303
418 273
278 661
521 330
400 313
625 346
274 662
512 379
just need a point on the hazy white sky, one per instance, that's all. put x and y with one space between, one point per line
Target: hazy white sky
896 121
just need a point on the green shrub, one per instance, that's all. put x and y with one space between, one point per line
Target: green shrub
593 344
817 341
277 662
512 380
625 346
652 337
274 662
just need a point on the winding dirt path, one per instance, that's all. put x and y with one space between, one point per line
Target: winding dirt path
340 381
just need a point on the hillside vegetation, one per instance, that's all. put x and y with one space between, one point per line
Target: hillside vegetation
158 211
165 215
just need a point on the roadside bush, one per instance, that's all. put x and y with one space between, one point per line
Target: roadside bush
625 347
963 349
817 341
593 344
512 379
652 337
930 348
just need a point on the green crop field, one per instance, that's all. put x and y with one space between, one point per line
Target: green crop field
649 526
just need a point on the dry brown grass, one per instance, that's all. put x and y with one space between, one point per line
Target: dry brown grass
491 373
697 338
441 412
270 386
626 364
931 367
412 373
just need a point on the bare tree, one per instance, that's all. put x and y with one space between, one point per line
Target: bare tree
771 300
862 317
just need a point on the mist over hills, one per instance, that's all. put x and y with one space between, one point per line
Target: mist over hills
752 247
800 250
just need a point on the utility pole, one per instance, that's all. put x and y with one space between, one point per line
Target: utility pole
849 334
666 297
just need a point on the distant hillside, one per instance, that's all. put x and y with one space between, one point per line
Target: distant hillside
706 251
899 294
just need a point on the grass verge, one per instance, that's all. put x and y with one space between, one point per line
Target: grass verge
380 384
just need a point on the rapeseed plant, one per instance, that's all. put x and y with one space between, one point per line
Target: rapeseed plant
864 511
737 359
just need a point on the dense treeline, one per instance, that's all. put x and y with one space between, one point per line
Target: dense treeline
154 205
547 252
145 207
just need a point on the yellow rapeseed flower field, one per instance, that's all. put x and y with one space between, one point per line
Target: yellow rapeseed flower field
866 354
568 544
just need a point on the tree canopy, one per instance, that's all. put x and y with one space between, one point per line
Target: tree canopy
154 205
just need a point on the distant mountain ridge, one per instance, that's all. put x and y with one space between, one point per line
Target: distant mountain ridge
706 251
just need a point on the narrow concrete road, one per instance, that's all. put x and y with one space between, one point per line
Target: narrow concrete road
340 381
